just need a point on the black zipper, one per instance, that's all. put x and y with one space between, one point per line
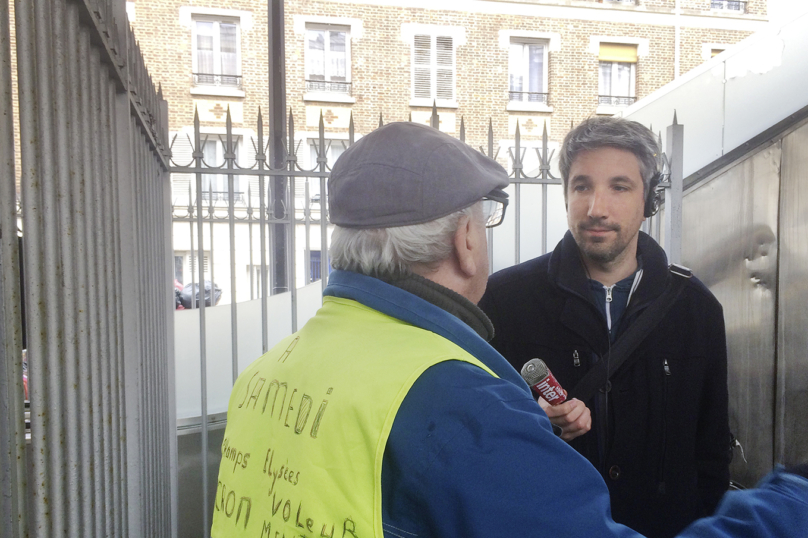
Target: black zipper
661 472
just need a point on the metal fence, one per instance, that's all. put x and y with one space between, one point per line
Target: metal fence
85 298
212 338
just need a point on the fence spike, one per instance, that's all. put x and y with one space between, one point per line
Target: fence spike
462 130
381 120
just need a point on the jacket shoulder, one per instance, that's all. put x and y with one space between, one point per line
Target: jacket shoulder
516 275
701 293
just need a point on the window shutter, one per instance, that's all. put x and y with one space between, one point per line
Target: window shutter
445 68
422 66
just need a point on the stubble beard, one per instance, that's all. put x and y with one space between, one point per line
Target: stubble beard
600 250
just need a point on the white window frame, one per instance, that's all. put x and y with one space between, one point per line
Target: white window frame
327 95
433 35
216 89
539 106
632 87
643 46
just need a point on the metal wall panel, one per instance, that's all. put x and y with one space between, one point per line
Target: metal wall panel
791 429
730 241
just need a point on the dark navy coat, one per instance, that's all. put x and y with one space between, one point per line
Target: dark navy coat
667 442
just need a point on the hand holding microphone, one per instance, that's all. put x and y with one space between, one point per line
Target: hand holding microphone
573 417
543 382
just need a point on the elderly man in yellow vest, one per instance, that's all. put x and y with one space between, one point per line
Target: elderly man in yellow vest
388 414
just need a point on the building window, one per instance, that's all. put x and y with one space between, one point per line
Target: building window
328 59
215 186
527 72
314 265
617 74
433 68
730 5
216 58
185 266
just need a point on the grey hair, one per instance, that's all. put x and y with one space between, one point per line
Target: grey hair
395 251
607 131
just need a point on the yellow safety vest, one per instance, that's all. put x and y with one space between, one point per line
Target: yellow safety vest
308 423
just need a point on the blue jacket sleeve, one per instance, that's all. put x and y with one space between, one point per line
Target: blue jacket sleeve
471 455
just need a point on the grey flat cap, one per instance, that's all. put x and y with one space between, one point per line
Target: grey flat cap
406 173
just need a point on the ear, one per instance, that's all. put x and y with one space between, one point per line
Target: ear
466 245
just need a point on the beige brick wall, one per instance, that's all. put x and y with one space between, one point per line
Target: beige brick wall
380 64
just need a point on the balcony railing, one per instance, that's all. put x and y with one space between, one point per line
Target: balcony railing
528 97
222 196
325 86
209 79
730 5
614 100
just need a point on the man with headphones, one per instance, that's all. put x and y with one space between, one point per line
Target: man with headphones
655 423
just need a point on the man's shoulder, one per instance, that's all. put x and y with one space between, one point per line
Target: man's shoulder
516 275
700 293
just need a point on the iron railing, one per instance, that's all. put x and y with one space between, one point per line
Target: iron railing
210 79
616 100
325 86
528 97
223 196
92 188
730 5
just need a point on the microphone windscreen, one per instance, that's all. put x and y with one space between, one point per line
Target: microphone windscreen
534 371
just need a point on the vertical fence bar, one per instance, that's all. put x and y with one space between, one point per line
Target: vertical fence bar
95 249
32 169
109 318
192 260
291 214
250 239
517 176
65 172
674 194
76 138
324 260
261 157
119 425
202 327
82 191
230 159
13 481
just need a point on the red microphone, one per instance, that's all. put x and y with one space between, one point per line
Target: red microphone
542 381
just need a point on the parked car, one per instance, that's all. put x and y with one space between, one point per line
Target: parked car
212 295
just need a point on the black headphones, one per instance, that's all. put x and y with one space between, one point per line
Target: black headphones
652 197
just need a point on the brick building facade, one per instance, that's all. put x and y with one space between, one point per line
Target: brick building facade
377 42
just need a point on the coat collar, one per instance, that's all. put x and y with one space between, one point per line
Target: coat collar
566 270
